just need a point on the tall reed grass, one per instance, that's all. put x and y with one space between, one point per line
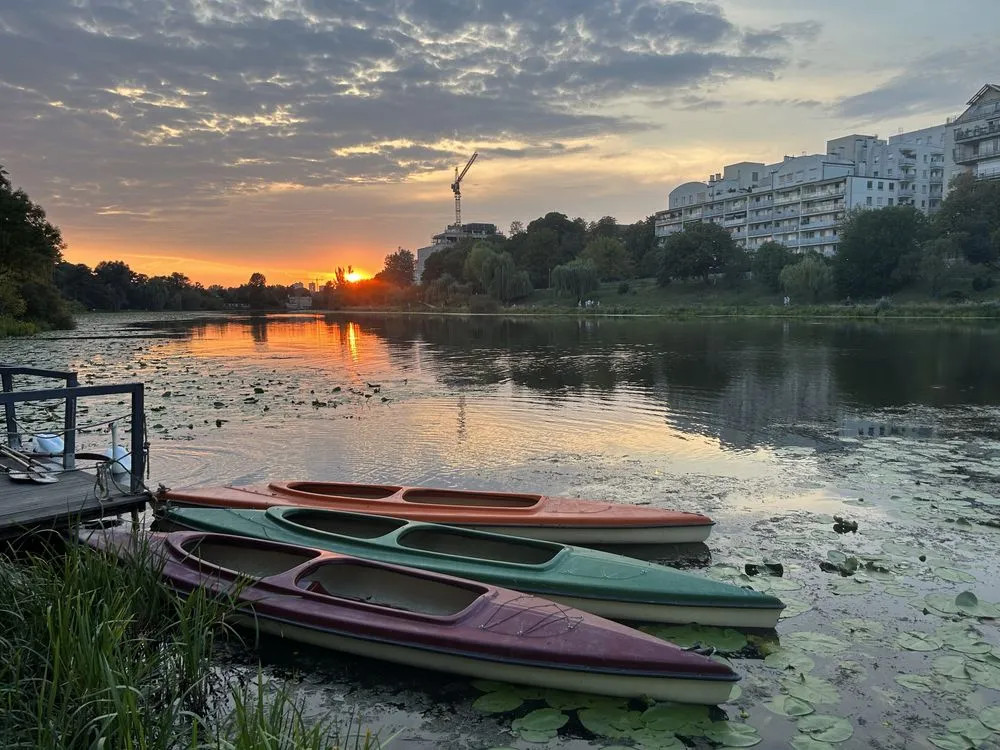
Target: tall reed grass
97 654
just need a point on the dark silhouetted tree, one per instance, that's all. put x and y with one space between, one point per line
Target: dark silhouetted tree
876 252
767 263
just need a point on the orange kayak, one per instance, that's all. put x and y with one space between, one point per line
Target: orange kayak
558 519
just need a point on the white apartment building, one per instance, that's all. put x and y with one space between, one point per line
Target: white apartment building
973 139
802 201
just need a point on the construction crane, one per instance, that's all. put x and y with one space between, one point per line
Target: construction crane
456 188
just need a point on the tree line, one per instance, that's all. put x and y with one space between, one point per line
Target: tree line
881 251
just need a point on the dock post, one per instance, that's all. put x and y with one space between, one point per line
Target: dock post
138 435
69 426
13 436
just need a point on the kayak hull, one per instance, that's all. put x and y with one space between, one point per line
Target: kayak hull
701 692
606 584
560 519
424 619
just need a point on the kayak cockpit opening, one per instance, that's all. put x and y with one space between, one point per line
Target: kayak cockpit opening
386 587
247 557
454 542
470 499
343 524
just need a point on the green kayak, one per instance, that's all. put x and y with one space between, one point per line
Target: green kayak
606 584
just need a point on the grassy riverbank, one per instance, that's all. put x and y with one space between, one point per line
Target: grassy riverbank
11 327
750 299
97 654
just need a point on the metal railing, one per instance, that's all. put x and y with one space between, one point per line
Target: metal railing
977 131
73 391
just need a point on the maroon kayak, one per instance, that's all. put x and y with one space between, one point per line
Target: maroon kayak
426 619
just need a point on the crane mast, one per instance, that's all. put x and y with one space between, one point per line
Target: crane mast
456 188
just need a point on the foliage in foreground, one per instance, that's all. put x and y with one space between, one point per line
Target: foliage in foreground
97 655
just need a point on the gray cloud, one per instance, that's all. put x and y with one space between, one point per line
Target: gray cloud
928 84
160 105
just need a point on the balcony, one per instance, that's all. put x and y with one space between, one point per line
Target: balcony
816 241
735 221
970 155
820 194
825 208
786 213
976 132
762 231
786 198
822 223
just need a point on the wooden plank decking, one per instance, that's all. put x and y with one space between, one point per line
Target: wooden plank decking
26 506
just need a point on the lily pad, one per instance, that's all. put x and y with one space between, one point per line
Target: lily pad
724 639
972 729
601 721
954 575
652 740
786 705
541 720
983 673
814 643
810 689
991 717
788 658
951 742
966 603
793 608
825 728
805 742
973 648
847 586
898 589
728 734
917 641
683 719
497 703
950 666
861 630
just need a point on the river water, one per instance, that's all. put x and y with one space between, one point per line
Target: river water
771 427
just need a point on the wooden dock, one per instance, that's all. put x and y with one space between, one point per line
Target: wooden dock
26 506
76 495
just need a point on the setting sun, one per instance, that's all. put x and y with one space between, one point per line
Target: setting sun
354 276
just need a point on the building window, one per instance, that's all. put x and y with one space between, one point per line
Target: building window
890 201
868 201
754 176
869 184
923 204
892 185
881 186
879 202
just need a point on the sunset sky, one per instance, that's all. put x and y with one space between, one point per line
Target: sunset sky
222 137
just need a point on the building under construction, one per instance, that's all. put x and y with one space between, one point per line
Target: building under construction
457 231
